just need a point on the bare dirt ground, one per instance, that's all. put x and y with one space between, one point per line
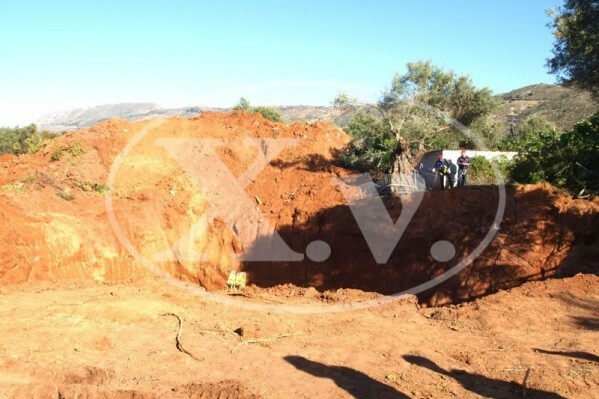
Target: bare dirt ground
113 340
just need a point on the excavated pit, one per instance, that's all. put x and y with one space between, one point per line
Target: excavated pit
55 223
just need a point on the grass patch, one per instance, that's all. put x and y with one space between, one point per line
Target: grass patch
73 149
57 155
101 189
31 179
16 187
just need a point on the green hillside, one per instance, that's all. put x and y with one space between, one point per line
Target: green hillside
561 105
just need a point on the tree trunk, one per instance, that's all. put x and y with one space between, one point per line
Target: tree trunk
402 173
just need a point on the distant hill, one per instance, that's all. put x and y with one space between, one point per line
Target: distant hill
295 113
562 105
85 117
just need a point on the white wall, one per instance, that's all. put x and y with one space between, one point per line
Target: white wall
490 155
427 163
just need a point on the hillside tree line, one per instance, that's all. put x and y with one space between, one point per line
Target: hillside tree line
23 140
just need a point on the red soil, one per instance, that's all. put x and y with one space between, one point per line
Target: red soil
88 340
55 224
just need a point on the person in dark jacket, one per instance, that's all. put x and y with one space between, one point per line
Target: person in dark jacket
464 162
443 171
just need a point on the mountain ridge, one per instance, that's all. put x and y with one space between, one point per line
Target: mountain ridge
561 105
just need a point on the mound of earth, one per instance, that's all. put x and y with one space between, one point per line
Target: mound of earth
58 225
55 220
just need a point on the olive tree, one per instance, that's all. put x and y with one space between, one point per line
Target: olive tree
418 112
576 49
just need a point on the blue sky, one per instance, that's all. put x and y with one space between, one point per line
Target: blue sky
66 54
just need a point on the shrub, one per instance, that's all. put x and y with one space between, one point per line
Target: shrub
17 187
269 113
25 140
372 146
102 189
528 134
482 172
567 160
75 149
57 154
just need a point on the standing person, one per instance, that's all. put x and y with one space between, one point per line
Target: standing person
451 172
443 170
464 162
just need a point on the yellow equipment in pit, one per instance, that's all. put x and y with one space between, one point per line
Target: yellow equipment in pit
236 281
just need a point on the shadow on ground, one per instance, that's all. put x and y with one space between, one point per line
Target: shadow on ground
535 238
579 355
481 385
356 383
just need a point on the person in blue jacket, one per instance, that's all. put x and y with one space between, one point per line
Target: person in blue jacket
464 162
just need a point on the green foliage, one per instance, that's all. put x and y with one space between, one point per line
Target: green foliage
534 125
568 160
25 140
444 90
372 145
576 48
242 105
416 115
16 187
33 144
101 189
486 128
482 172
489 129
75 149
57 154
269 113
343 100
529 133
